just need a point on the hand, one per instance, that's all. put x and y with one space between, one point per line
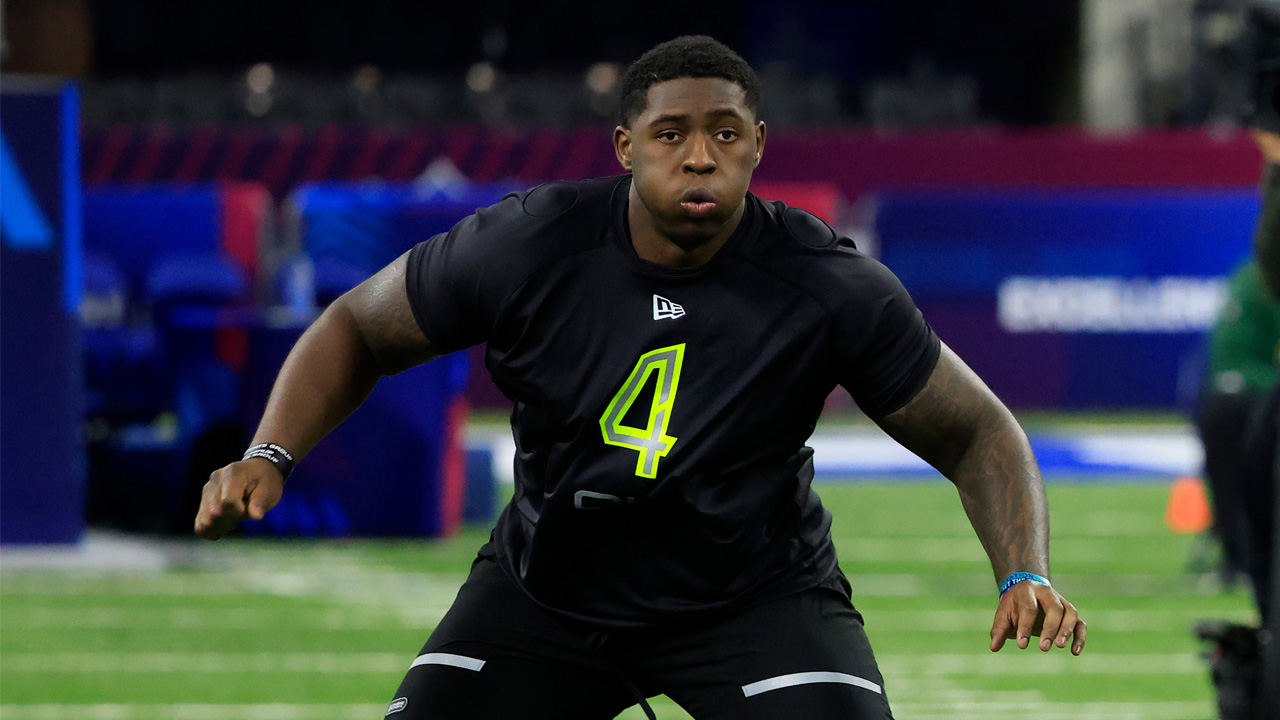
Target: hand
1269 143
1030 608
248 488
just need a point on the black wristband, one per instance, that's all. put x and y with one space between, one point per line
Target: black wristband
277 455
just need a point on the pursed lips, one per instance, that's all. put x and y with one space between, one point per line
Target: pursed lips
698 202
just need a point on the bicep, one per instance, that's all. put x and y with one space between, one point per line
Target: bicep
382 314
940 422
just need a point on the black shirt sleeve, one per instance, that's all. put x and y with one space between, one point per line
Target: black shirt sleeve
885 351
458 280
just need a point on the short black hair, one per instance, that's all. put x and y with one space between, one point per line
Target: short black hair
688 56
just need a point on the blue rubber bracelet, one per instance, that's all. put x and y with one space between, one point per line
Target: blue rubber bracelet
1015 578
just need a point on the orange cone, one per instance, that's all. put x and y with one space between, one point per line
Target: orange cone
1188 510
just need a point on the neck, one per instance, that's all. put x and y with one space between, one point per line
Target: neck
654 245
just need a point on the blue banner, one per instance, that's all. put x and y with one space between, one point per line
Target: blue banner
1072 299
41 388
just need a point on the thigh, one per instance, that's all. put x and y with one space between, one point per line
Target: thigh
467 681
803 656
496 655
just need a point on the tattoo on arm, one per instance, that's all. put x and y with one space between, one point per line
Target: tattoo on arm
957 424
380 307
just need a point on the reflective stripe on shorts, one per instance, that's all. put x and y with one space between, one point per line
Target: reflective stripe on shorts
458 661
808 678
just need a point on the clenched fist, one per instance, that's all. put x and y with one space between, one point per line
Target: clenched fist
244 489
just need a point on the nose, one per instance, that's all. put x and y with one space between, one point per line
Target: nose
699 159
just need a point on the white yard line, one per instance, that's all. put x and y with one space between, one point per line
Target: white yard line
115 618
1053 711
1011 661
360 617
421 594
347 578
205 662
97 551
967 549
1036 710
982 584
976 663
1100 621
119 711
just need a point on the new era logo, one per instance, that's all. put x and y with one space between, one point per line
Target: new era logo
664 308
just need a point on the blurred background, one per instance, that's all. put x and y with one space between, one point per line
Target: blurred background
1064 186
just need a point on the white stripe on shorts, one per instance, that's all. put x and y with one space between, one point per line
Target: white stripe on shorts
458 661
808 678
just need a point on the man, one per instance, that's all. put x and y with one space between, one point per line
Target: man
1238 414
1236 418
668 340
1240 371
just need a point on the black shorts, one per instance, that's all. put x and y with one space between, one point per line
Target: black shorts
497 655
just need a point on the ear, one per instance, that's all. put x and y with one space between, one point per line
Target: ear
760 132
622 146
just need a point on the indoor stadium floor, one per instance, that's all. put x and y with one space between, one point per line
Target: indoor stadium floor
288 630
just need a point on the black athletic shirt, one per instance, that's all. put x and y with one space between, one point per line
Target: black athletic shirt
661 414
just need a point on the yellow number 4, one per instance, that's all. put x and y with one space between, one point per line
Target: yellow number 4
651 441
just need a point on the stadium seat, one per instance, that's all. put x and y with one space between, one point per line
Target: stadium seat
163 389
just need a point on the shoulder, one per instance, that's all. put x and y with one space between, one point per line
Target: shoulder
791 231
551 203
803 249
536 226
469 272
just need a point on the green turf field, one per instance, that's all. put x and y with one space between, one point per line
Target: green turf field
269 630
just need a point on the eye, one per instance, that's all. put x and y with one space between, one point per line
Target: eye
727 135
668 136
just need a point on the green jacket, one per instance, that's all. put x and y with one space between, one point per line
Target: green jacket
1243 346
1244 349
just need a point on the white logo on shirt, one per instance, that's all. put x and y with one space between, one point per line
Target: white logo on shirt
664 308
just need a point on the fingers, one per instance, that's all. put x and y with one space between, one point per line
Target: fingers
1064 630
257 505
1028 611
1038 610
221 504
1054 611
1004 625
1081 629
264 495
203 521
233 493
1000 629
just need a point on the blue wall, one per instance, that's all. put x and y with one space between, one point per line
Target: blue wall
1071 299
41 391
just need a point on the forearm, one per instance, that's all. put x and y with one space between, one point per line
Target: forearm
327 375
1003 495
956 424
365 334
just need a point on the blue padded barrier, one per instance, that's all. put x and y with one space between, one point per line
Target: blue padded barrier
207 278
394 468
42 484
331 277
138 225
351 231
164 394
